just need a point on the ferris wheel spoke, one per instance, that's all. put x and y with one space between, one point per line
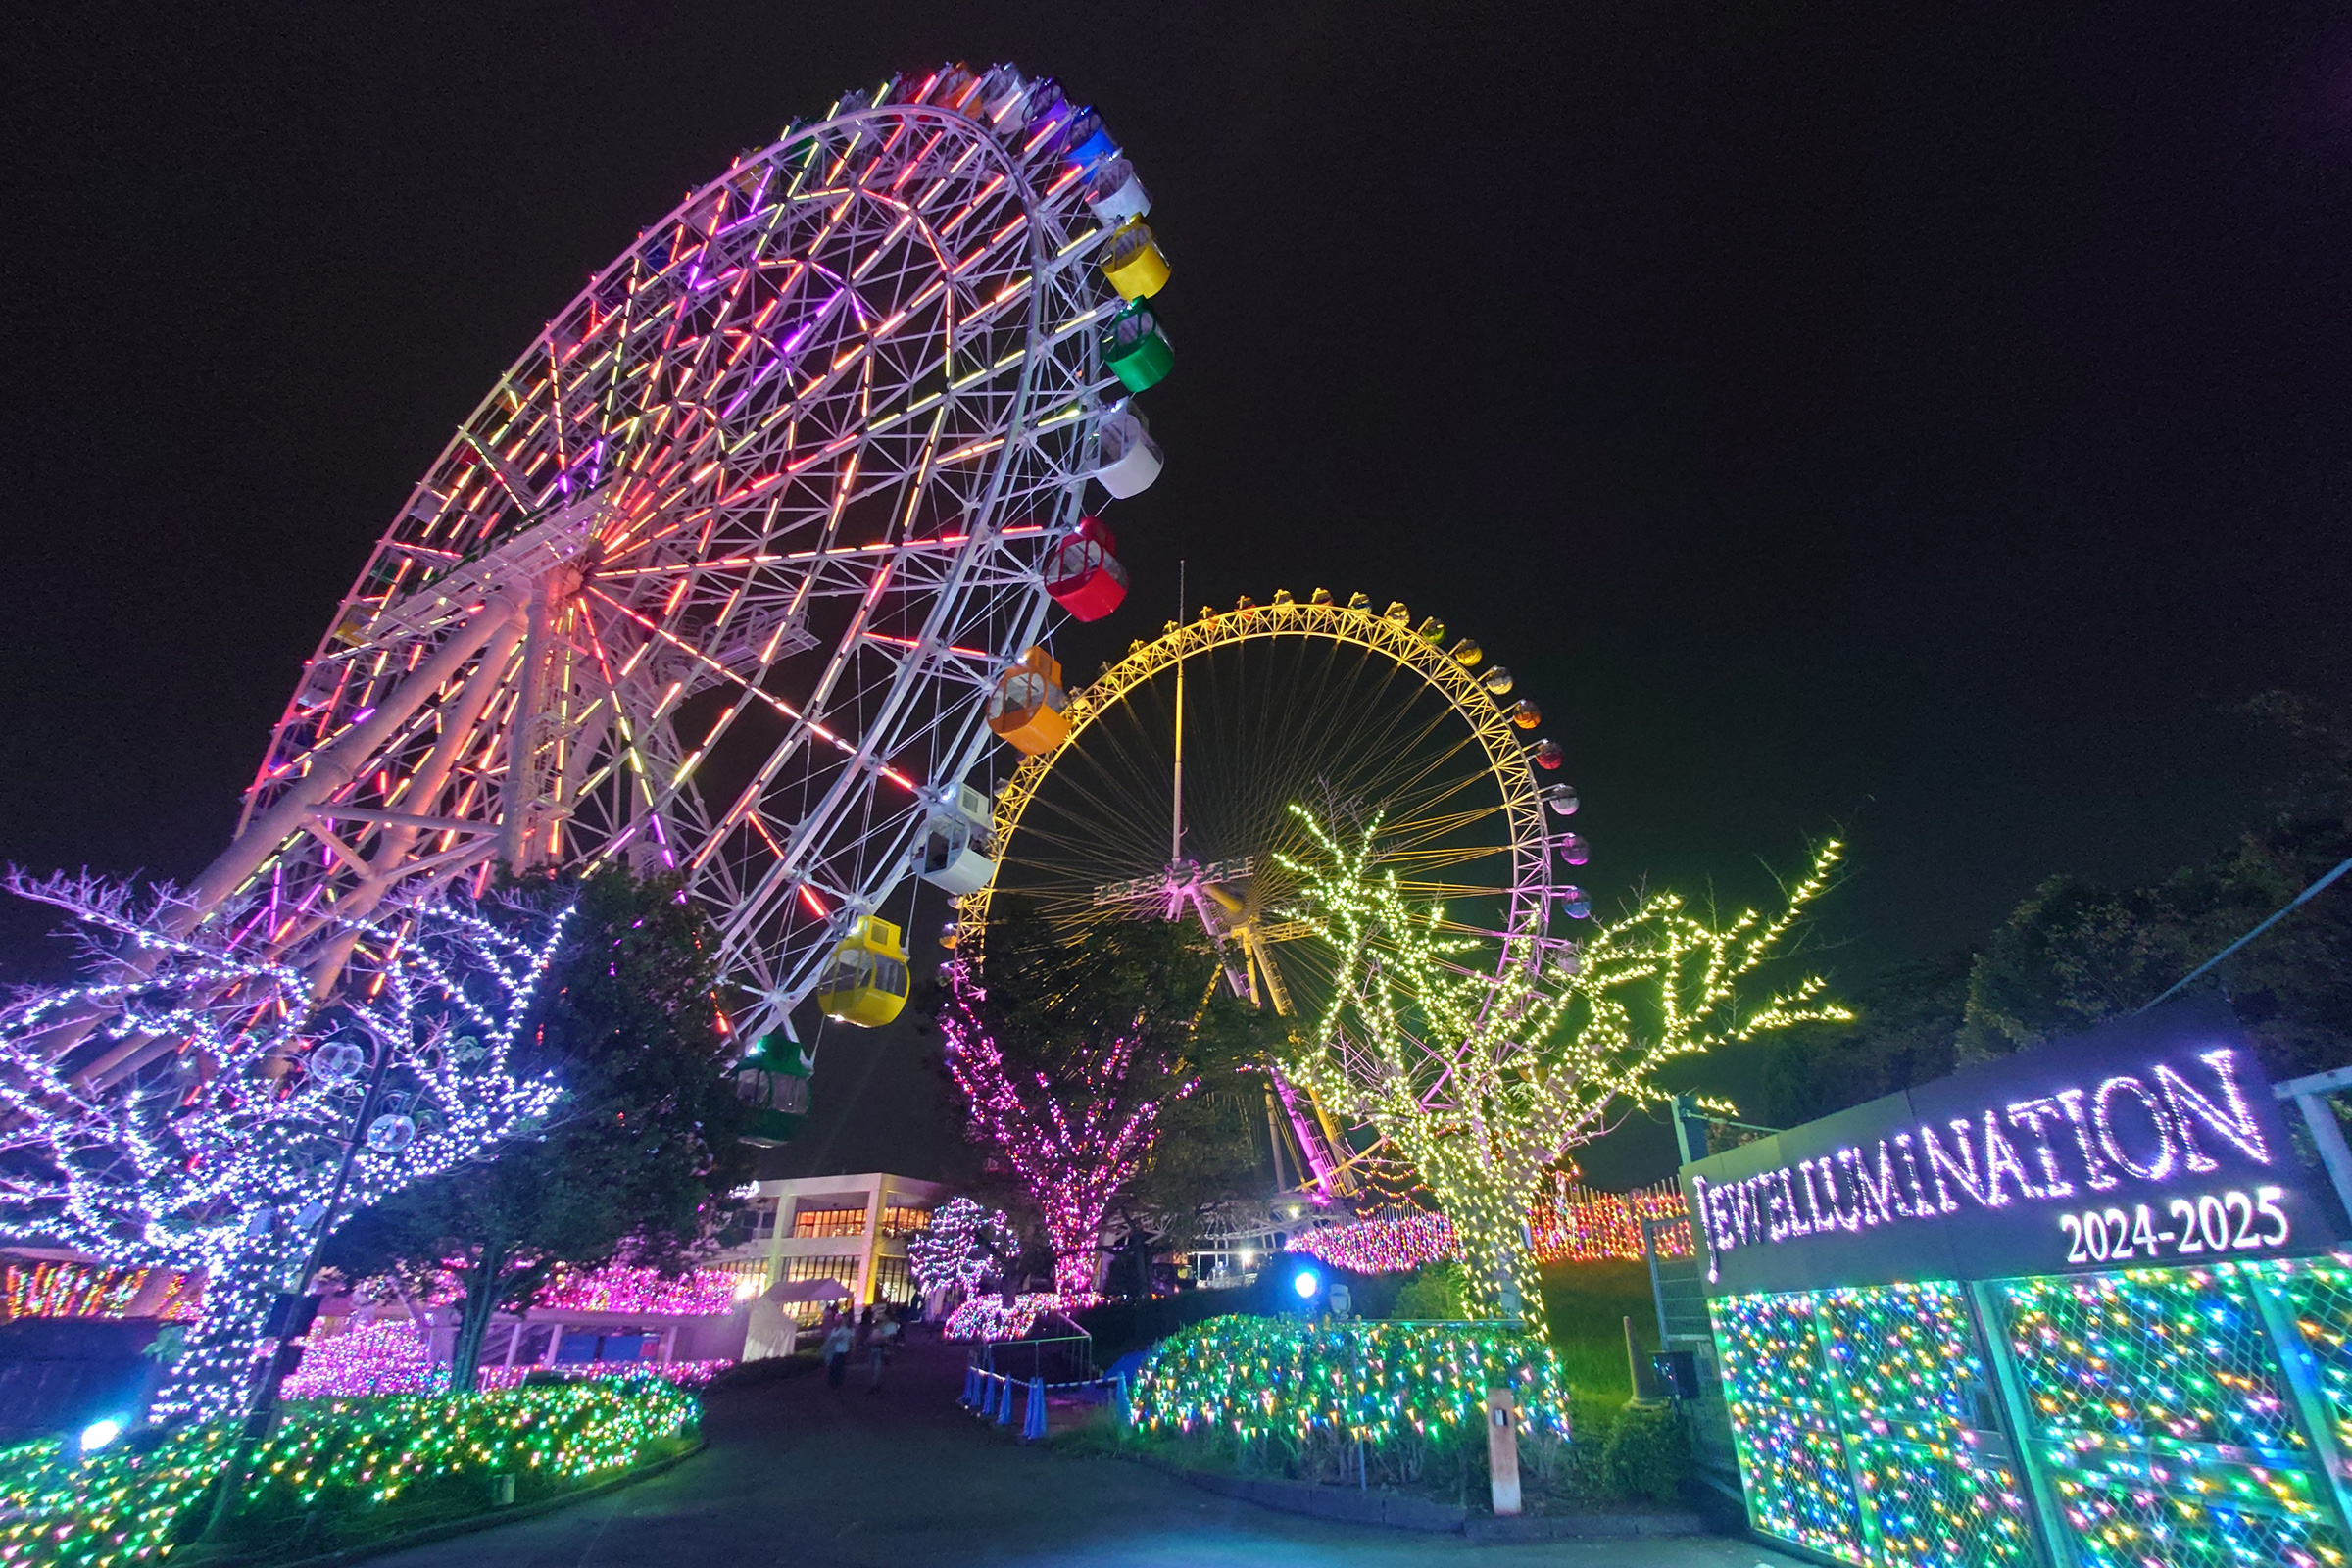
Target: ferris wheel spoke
778 482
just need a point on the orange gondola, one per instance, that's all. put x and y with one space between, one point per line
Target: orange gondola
1026 708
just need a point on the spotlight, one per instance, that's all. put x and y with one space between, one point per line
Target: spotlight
98 1434
1306 1282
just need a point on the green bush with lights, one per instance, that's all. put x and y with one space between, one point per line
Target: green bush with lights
332 1471
1403 1403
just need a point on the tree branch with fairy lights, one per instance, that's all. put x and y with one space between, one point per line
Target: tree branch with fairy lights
1071 1134
963 1245
1483 1076
268 1116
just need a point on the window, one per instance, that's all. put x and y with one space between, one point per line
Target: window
827 1222
899 1223
892 1281
842 1268
763 1219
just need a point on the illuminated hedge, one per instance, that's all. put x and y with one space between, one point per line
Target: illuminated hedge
123 1506
1378 1382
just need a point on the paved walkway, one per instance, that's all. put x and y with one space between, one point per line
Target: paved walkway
798 1475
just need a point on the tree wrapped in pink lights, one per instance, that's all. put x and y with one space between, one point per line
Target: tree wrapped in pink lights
1073 1133
1076 1052
257 1115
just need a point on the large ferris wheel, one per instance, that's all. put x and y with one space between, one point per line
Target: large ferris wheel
1170 793
718 575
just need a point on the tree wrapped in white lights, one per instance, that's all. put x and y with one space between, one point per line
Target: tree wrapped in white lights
1481 1076
962 1246
228 1153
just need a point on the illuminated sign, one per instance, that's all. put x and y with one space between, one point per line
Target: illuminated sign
2150 1140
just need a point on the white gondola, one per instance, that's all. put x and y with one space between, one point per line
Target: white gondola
1114 195
954 852
1130 458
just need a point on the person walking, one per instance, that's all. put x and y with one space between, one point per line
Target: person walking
884 1336
837 1354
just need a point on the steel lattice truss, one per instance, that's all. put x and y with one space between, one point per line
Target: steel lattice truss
718 575
1344 701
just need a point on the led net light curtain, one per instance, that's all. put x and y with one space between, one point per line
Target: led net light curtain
2166 1421
2175 1416
1856 1414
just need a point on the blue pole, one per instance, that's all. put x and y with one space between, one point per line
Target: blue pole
1034 1426
1004 1408
2294 904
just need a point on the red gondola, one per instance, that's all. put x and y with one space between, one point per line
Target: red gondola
1084 577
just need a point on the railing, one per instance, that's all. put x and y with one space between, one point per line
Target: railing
1066 1358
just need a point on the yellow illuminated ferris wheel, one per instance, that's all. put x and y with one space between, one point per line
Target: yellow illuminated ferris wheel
1163 791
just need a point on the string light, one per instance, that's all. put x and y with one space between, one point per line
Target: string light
124 1503
961 1247
1857 1416
392 1355
1373 1382
625 1287
223 1155
1483 1078
1394 1244
1569 1224
94 1289
987 1317
2162 1419
1072 1145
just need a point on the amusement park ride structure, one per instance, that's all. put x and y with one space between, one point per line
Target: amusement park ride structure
719 577
1360 712
736 569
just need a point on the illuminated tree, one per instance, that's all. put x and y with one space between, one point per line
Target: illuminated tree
1482 1076
963 1245
1075 1051
638 1168
1072 1134
226 1151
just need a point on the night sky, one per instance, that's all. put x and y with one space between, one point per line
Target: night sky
1920 426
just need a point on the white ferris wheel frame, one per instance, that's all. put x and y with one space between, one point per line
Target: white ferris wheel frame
853 384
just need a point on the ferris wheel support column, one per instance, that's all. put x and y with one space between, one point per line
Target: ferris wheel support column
457 734
341 763
523 748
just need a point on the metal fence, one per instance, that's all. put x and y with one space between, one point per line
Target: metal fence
1066 1358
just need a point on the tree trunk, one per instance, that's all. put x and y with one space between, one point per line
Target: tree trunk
1495 1256
474 1322
225 1353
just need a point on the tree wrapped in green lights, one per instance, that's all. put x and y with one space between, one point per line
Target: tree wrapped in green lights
1482 1075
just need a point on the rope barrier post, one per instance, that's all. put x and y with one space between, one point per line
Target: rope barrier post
1004 1406
1122 1405
1033 1426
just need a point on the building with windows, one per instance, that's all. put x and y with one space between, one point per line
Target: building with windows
851 1229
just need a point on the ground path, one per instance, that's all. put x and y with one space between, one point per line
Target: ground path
798 1475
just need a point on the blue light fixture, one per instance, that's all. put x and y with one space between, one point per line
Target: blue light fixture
1307 1283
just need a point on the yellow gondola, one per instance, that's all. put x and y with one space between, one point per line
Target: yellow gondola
867 984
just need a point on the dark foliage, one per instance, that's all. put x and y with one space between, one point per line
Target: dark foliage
643 1150
2073 954
1054 1000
